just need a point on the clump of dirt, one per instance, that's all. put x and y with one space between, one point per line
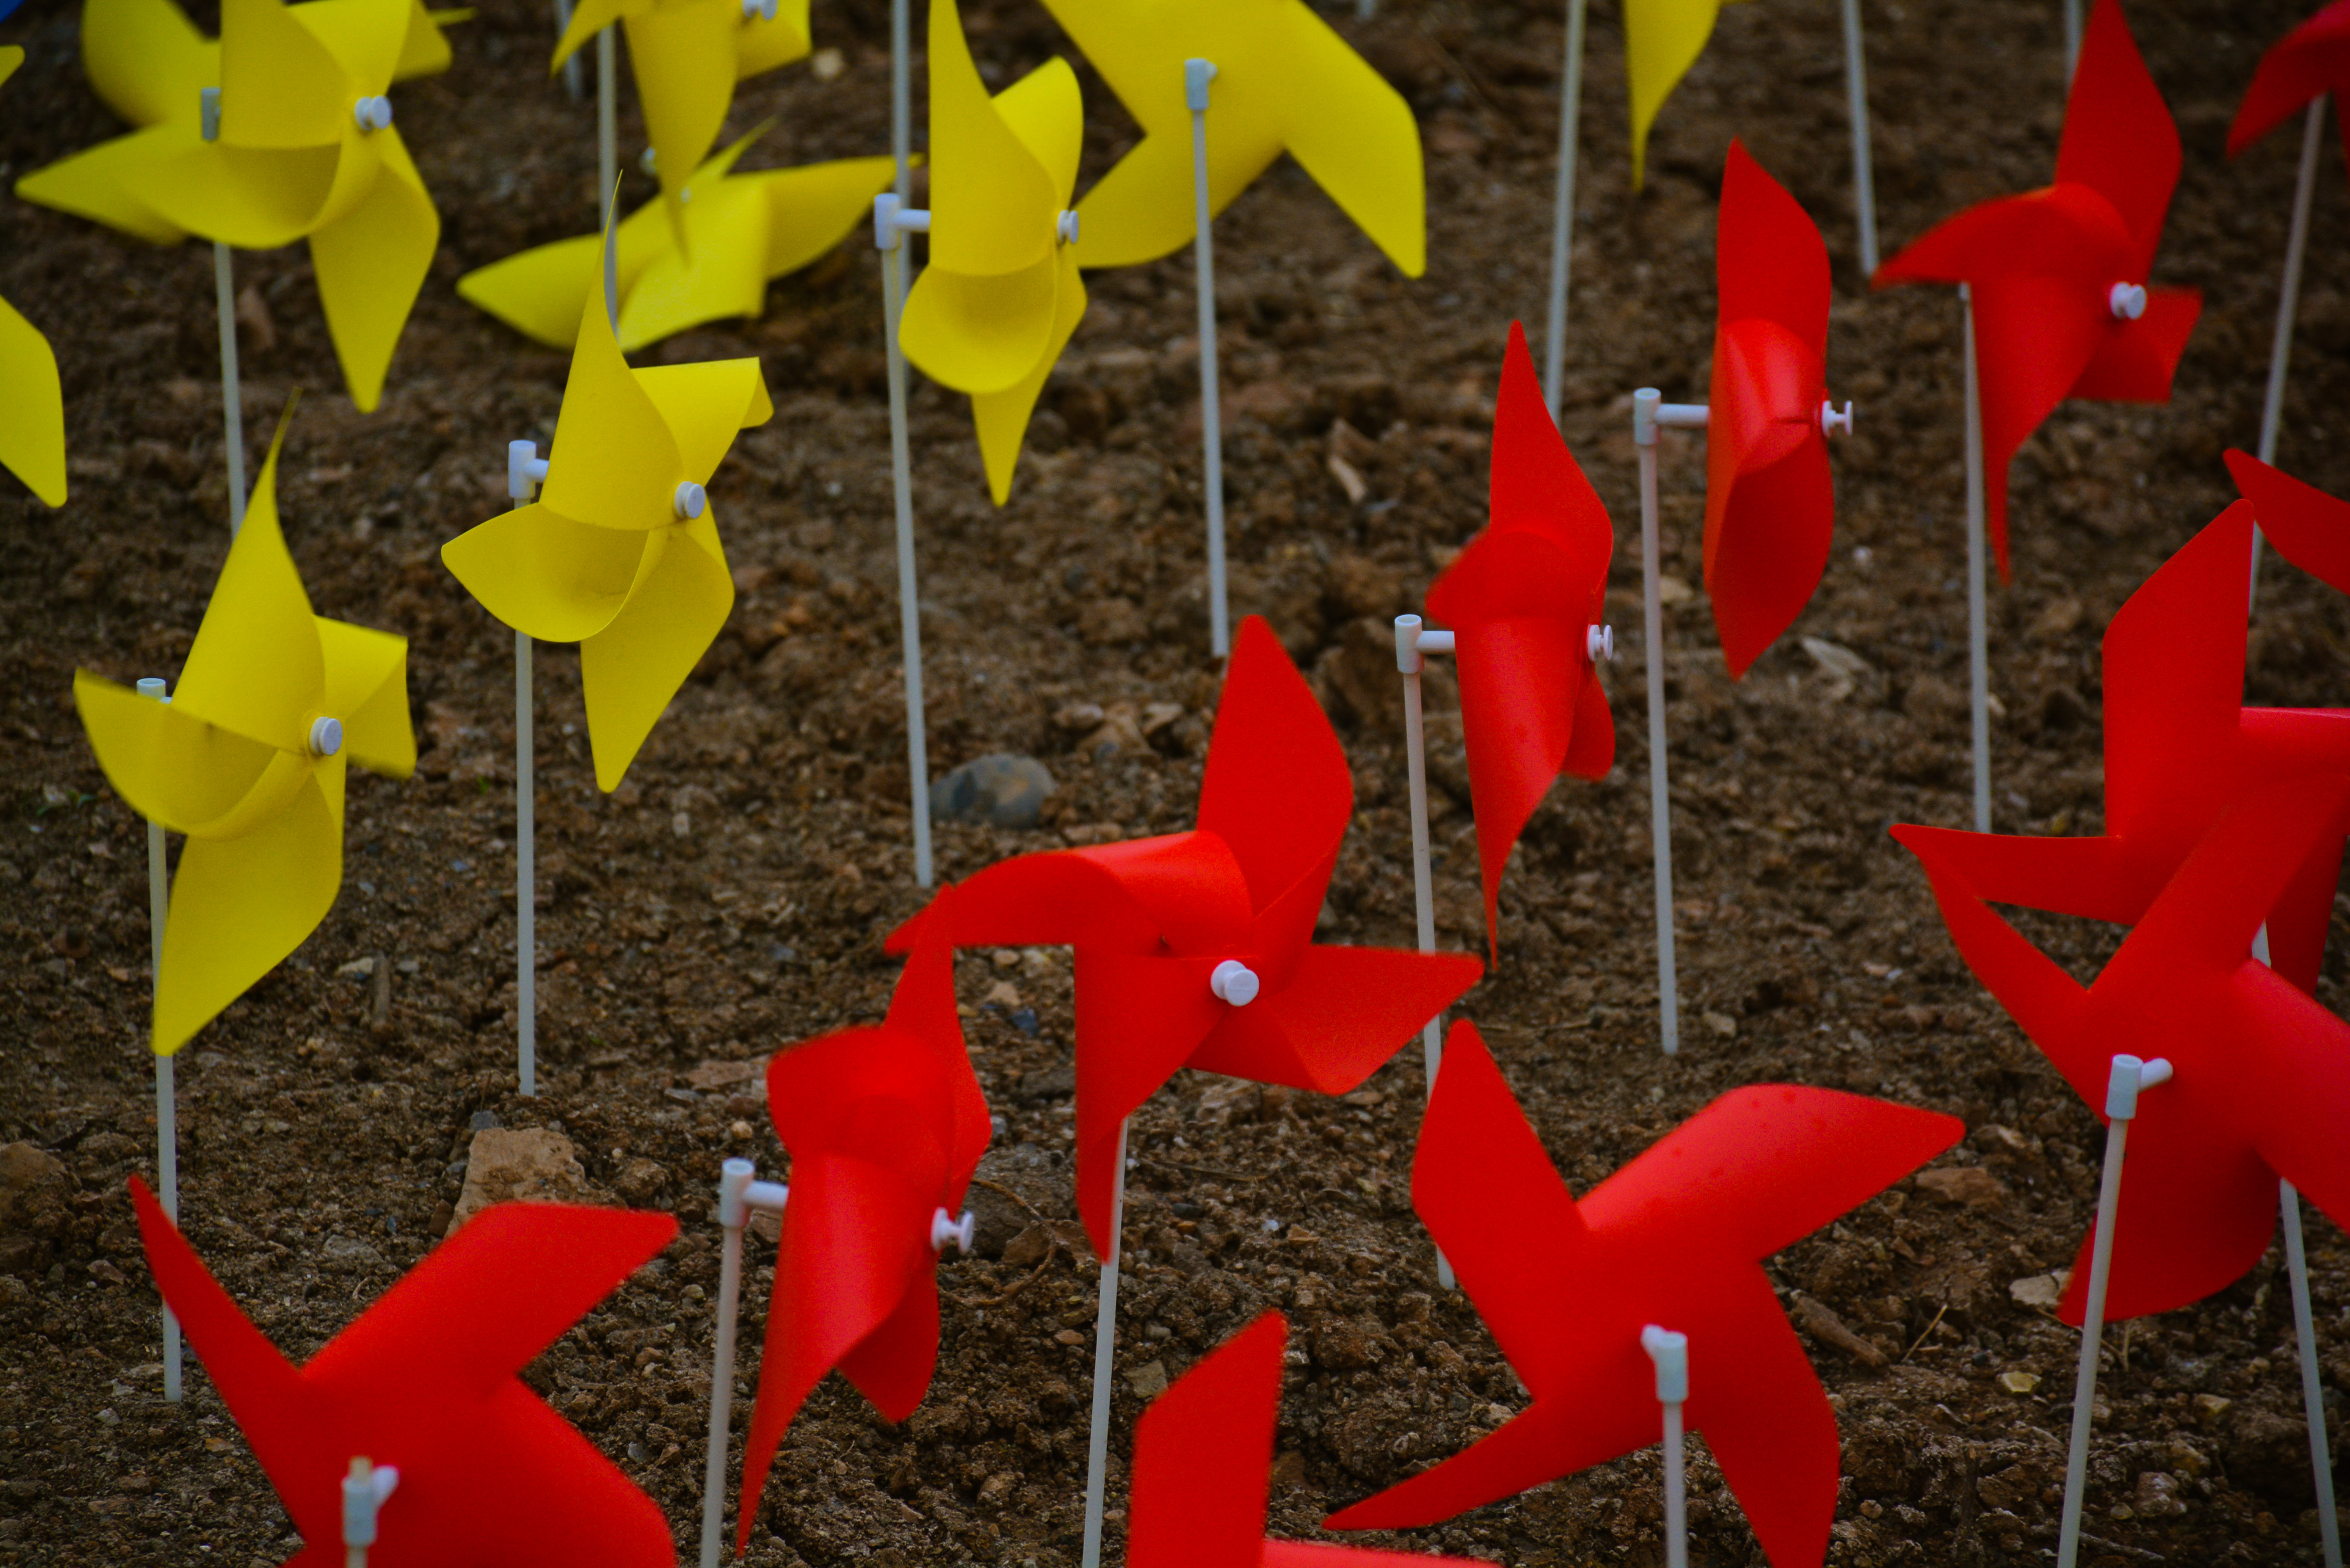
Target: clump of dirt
729 898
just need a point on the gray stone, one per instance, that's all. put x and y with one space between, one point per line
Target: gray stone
1000 789
348 1256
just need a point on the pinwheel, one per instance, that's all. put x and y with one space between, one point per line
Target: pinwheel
687 55
1202 1459
1675 1240
2301 68
298 144
884 1126
2310 528
740 231
427 1383
1196 948
2059 306
619 554
33 435
1524 600
1284 82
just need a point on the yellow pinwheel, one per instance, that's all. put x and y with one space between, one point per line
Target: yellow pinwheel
303 149
1284 82
687 55
741 230
996 305
620 554
247 759
33 430
1662 38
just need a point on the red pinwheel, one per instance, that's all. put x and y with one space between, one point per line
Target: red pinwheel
1524 598
1203 1454
1197 948
2310 61
885 1126
2058 276
1675 1239
427 1381
1770 506
2180 750
2260 1084
2309 527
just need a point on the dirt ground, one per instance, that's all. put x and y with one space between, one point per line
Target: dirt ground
729 898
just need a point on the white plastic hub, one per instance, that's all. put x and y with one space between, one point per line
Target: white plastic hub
1064 227
208 113
1670 1351
525 469
1600 643
1832 421
365 1488
373 113
326 736
2126 300
944 1228
760 10
691 499
1234 981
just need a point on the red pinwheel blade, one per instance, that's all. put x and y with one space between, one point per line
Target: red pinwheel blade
2034 336
892 1366
237 1354
1499 1210
1046 899
2139 359
1138 1020
1342 1013
2309 527
1770 262
2174 667
2095 879
1764 1165
2008 235
2295 1080
2297 925
1203 1458
1759 1406
1276 789
2119 138
923 1007
1535 485
2310 60
1767 543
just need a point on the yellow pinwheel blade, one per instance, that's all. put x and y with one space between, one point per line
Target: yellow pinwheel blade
33 431
240 906
10 58
371 264
991 201
367 39
254 199
169 766
537 291
815 207
720 270
1001 417
1047 113
98 183
629 671
145 61
1357 136
684 57
589 17
256 668
704 404
979 334
281 87
425 52
367 689
544 574
613 462
1662 38
766 44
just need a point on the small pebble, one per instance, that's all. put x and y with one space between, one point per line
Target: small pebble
739 1132
1000 790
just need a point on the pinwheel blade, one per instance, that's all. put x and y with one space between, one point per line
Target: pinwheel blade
629 671
1356 135
538 292
2309 527
373 39
981 335
683 60
892 1366
257 668
1770 261
33 435
1759 1406
1662 38
146 60
1203 1456
1276 788
547 576
2306 63
1335 1016
767 42
2174 674
371 263
614 458
2119 138
169 766
1766 547
1535 485
367 691
1001 417
993 202
815 207
1045 113
281 87
2294 1089
1141 1019
2137 363
704 404
103 184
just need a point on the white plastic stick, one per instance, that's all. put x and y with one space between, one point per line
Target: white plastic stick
526 871
1646 404
1562 221
1197 75
2124 1081
231 384
1411 645
167 1128
1863 177
2072 40
1978 612
607 118
2296 244
909 618
1104 1352
1670 1351
572 83
366 1487
738 1194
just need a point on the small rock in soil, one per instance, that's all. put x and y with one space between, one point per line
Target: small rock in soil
35 1189
1971 1184
2039 1290
1000 789
530 1164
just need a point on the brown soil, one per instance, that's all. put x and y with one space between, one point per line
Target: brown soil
729 898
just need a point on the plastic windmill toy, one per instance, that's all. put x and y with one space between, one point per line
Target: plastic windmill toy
33 434
1672 1246
279 131
412 1429
884 1126
740 232
1203 1463
2059 302
687 55
1197 948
